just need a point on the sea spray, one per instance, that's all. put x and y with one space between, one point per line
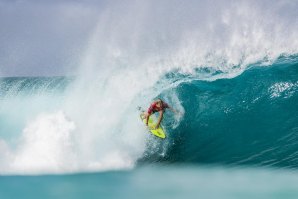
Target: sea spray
46 145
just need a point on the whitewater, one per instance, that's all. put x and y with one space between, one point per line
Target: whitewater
230 68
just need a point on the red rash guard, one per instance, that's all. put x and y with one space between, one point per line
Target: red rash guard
153 108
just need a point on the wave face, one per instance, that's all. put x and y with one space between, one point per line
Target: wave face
228 67
249 119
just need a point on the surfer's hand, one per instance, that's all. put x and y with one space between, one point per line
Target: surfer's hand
179 113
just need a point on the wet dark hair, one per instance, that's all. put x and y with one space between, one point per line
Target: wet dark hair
158 99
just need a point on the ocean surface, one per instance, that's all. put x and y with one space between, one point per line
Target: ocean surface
229 67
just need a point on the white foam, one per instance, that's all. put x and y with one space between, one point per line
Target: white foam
224 36
51 143
285 89
45 145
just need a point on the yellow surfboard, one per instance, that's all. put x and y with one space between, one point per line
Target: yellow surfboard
151 124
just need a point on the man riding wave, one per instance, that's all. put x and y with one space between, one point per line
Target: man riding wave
157 106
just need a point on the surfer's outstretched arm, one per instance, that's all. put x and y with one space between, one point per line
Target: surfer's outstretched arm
173 110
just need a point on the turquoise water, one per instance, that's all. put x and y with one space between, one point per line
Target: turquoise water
157 182
247 120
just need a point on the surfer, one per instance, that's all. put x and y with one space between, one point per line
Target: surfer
157 106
